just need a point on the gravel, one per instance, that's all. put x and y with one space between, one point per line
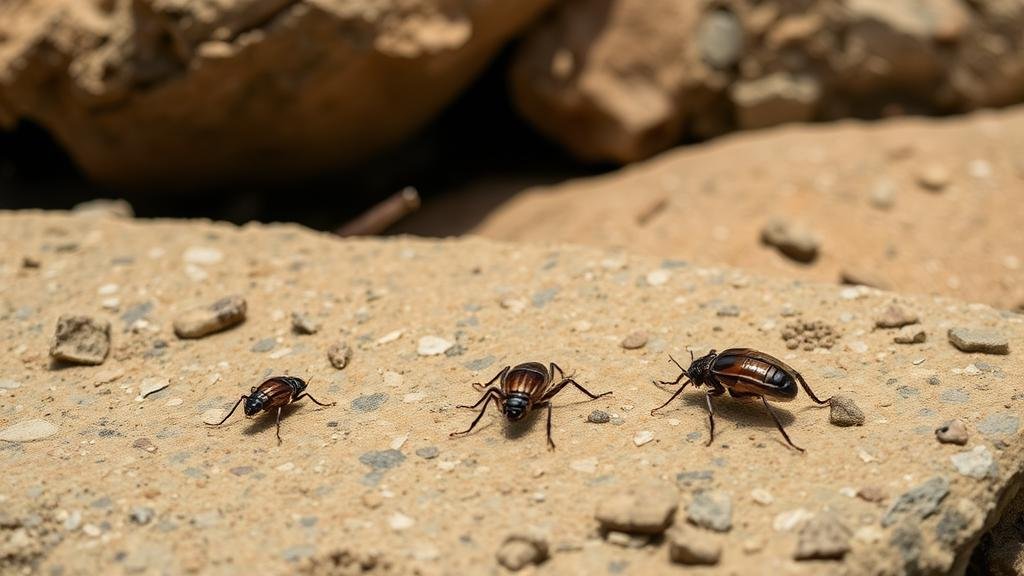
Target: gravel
81 340
822 537
687 545
984 340
843 411
211 318
639 509
952 432
711 510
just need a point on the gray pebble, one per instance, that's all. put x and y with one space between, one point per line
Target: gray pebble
428 452
382 459
304 324
211 318
711 510
1000 424
954 396
339 355
791 240
634 341
598 417
907 391
298 553
952 432
977 463
370 402
823 537
693 547
136 313
81 340
984 340
934 380
521 550
843 411
720 38
142 515
480 363
264 345
918 503
241 470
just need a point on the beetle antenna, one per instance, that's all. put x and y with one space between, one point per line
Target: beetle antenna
680 365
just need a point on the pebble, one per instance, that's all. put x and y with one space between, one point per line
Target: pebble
390 337
339 354
399 522
264 345
370 402
382 459
933 177
646 508
762 496
598 417
711 510
843 411
728 311
895 316
871 494
211 318
304 324
152 385
634 341
790 519
142 515
643 437
791 240
144 444
822 537
202 255
433 346
658 277
104 208
521 550
883 195
81 340
977 463
952 432
910 335
175 402
428 452
687 545
28 431
8 384
1001 424
984 340
917 503
720 38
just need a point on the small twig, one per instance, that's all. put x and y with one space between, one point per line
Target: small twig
651 211
382 216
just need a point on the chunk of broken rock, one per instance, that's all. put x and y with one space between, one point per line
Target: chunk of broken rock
81 340
823 537
688 545
640 509
211 318
793 241
984 340
521 550
845 412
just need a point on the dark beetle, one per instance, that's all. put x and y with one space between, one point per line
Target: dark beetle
744 373
521 389
276 392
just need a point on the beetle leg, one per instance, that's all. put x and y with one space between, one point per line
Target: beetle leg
481 387
558 388
487 394
491 395
779 424
233 408
807 389
711 417
682 372
669 401
315 401
551 443
279 424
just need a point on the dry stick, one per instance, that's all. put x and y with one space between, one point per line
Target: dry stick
382 216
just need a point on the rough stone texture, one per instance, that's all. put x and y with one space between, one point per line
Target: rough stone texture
207 319
711 510
823 537
983 340
136 91
730 188
81 340
619 80
843 411
641 509
475 485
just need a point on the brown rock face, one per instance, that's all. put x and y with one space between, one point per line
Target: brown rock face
174 92
619 80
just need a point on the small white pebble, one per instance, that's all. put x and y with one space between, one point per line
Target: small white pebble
280 353
865 456
111 303
762 496
390 337
108 289
433 346
412 397
643 437
393 379
848 491
152 385
399 521
214 415
585 465
202 255
175 402
286 467
92 530
398 442
674 422
790 519
581 326
658 277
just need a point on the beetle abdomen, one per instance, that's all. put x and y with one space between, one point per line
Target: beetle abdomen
747 374
530 379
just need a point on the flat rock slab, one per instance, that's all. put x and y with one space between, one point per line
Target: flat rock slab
377 477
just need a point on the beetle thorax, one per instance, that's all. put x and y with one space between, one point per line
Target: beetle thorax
700 369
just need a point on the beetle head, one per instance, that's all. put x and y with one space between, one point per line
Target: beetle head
699 368
253 405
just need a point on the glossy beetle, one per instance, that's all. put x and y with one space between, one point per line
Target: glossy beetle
744 373
277 392
523 388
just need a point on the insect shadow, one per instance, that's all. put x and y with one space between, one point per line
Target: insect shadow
745 413
257 424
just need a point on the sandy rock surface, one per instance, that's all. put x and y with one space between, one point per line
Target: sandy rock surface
619 80
124 483
178 92
710 205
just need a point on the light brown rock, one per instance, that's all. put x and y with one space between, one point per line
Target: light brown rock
81 340
209 319
639 509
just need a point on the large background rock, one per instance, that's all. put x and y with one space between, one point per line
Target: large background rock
913 205
375 484
157 93
618 80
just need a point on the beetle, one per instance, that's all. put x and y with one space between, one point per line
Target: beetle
744 373
522 388
276 392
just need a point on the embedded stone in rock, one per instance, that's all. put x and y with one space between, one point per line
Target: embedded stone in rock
212 318
977 463
984 340
81 340
639 509
843 411
918 503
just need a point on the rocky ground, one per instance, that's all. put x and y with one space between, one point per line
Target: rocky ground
913 205
110 466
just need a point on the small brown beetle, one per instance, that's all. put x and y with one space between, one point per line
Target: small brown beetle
277 392
521 389
744 373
